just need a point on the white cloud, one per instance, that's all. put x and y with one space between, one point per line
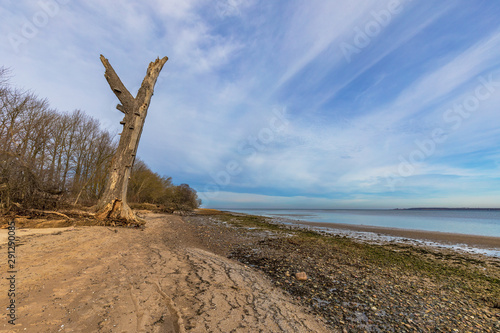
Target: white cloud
249 200
175 9
219 89
438 84
314 26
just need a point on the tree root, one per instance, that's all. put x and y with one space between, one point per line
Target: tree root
118 213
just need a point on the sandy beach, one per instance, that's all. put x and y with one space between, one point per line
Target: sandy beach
219 272
158 279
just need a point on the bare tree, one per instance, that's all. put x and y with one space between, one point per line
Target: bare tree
113 203
146 186
95 166
50 160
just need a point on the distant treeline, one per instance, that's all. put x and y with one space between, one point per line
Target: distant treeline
50 159
146 186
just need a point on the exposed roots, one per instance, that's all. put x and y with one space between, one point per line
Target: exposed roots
118 213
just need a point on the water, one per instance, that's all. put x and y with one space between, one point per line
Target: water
470 222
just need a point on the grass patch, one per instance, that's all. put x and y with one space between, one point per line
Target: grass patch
249 221
207 211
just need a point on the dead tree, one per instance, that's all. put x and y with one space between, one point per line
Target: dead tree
113 203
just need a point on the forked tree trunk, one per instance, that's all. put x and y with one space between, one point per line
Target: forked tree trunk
113 203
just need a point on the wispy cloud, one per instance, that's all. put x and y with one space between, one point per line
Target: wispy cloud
232 63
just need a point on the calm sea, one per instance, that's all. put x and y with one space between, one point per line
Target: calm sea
470 222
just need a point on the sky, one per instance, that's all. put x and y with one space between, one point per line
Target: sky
285 104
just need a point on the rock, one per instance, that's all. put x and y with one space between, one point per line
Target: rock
301 276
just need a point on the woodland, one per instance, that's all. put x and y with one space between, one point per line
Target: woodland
52 160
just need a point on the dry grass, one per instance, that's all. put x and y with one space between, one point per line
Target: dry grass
207 211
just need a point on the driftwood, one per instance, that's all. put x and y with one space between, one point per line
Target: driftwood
78 213
113 203
49 212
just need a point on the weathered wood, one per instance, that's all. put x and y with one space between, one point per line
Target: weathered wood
113 203
117 86
49 212
120 107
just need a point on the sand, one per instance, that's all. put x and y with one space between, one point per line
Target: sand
483 242
165 278
160 279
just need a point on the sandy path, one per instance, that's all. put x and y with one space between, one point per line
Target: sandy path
99 279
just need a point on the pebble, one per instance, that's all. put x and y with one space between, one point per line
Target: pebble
363 296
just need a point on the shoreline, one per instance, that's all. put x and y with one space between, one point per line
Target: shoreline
189 272
358 285
486 245
482 242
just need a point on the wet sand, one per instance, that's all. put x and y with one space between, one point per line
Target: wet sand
483 242
401 286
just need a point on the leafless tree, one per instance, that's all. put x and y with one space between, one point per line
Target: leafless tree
46 156
113 203
49 158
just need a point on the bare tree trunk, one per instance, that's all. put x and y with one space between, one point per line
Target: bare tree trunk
113 203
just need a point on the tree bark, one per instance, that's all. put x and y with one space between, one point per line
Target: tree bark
113 203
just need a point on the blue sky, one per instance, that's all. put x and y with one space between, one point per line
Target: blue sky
289 104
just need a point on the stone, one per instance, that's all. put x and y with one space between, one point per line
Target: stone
301 276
